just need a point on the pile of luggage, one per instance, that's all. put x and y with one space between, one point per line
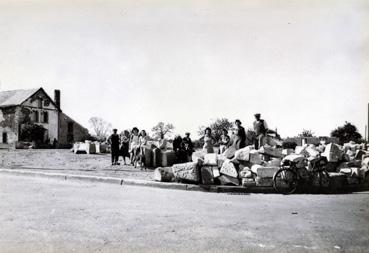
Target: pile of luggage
155 157
347 165
89 147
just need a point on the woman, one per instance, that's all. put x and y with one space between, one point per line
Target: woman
239 137
143 144
124 148
208 141
224 141
134 145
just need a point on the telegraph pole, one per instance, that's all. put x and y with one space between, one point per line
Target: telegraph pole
367 127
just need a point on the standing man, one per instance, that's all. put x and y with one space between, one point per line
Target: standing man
260 128
188 146
239 136
114 141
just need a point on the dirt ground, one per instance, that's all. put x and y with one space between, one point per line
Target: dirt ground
65 161
48 215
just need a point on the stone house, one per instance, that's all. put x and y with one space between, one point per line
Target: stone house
34 106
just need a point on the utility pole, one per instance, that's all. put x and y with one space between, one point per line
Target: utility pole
367 127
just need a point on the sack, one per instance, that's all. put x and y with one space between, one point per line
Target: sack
246 173
207 176
227 180
229 169
274 152
243 154
255 157
210 159
163 174
248 182
332 152
230 152
186 171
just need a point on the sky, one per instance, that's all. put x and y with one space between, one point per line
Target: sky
301 64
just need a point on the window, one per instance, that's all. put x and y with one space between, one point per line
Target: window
39 103
5 137
36 116
45 116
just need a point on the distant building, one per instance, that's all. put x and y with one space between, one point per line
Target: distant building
311 140
34 106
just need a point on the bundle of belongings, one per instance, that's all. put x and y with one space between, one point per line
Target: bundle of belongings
89 147
248 167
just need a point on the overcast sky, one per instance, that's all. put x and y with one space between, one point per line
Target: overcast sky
301 64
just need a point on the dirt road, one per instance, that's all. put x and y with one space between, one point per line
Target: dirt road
47 215
65 161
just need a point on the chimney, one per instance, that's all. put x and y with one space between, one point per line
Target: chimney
57 98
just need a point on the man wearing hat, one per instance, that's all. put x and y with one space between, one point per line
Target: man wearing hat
114 141
260 128
188 146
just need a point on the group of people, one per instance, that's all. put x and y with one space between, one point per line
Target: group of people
133 144
238 139
128 145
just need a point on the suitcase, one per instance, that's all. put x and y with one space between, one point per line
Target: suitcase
156 153
148 157
248 182
266 181
168 158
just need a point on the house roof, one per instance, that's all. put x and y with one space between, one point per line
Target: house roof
15 97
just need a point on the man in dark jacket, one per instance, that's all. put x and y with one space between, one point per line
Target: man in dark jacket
114 141
261 129
188 146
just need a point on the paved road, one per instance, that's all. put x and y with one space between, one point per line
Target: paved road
48 215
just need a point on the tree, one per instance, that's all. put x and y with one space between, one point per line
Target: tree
217 127
347 132
306 133
32 132
162 129
100 127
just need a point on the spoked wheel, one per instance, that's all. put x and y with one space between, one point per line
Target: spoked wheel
322 180
285 181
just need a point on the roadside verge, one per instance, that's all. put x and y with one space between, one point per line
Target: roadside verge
138 182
